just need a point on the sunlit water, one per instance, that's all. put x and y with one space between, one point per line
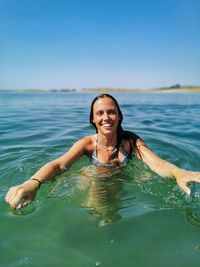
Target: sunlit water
88 217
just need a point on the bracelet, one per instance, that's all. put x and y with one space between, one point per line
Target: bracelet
37 181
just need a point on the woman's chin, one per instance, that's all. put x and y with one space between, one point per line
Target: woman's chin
108 131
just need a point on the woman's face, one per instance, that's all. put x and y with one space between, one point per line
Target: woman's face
105 115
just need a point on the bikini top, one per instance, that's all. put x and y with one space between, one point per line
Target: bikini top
126 156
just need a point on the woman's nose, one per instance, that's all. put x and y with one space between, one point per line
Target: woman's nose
105 116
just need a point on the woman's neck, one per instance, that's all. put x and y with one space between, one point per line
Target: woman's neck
107 140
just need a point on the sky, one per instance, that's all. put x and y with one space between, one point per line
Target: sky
49 44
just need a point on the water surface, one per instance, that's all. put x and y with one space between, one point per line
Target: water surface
130 218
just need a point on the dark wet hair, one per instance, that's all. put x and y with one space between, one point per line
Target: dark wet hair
121 134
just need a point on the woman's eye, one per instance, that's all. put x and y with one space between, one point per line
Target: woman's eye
100 113
111 112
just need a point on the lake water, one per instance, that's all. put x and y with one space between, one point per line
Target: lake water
132 218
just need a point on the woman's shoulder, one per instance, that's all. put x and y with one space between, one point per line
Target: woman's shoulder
89 142
89 139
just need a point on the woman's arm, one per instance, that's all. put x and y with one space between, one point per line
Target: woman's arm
166 169
21 195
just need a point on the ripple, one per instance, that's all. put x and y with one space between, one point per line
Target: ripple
193 218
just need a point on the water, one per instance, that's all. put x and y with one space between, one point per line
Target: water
132 218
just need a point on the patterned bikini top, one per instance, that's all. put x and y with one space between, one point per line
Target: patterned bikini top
126 156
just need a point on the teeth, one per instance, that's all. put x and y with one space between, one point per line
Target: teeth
107 124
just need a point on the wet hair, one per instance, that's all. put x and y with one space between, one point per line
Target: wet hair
121 134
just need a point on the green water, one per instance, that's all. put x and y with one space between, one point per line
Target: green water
83 218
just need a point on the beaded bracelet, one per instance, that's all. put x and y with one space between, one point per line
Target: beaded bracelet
37 181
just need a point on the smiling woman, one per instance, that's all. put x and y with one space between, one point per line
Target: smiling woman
111 146
106 119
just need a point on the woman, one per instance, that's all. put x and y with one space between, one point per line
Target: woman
111 146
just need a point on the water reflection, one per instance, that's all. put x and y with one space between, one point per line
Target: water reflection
111 189
105 199
105 194
104 190
100 188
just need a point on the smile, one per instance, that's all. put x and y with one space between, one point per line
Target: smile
107 124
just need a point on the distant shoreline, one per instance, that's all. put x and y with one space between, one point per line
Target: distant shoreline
182 89
172 89
177 88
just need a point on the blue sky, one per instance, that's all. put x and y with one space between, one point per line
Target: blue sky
99 43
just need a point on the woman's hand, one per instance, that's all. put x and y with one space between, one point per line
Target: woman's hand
183 178
20 196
